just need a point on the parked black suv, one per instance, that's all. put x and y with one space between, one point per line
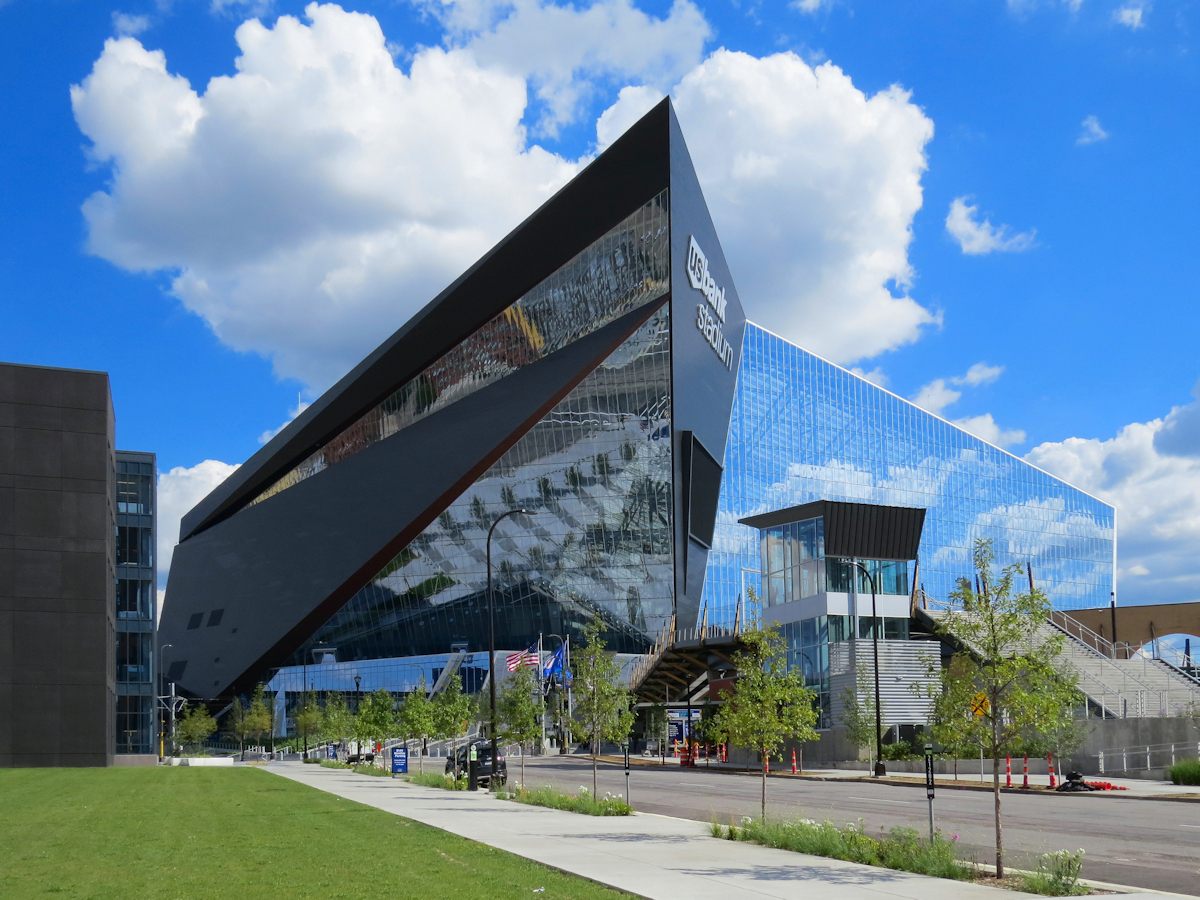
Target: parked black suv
483 750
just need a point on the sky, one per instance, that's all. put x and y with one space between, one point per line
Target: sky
987 207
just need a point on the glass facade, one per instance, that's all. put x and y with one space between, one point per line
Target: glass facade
625 269
135 602
595 474
803 429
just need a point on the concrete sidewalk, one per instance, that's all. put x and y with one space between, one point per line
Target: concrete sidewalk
645 854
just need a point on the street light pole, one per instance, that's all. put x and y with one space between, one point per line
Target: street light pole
558 719
880 769
492 637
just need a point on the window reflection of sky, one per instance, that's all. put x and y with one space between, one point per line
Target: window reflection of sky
803 429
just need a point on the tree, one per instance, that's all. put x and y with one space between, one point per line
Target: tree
415 719
602 704
451 715
259 717
336 719
656 725
769 703
519 711
308 721
951 722
376 719
1010 670
858 716
196 726
237 725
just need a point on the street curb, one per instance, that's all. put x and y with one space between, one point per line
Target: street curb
914 781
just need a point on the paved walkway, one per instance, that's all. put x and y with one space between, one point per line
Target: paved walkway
648 855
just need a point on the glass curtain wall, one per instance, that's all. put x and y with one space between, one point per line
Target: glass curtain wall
135 601
803 429
596 475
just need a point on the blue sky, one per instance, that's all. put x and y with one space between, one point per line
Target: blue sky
987 206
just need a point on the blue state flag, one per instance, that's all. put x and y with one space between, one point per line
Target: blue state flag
555 664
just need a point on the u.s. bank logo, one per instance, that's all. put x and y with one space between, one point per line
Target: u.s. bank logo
709 325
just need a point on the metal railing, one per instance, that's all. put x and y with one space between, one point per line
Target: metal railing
1142 757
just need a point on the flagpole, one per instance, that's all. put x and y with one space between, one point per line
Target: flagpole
541 698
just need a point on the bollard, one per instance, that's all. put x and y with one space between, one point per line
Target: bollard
1025 773
794 770
1008 770
1050 764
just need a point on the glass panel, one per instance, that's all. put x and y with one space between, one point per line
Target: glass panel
802 429
596 472
625 269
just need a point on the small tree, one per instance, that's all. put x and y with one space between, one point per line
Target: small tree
769 703
196 726
451 715
237 725
1012 671
259 716
858 716
951 724
336 720
656 724
415 719
519 710
376 719
602 704
308 721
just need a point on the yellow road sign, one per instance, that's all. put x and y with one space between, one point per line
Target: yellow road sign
980 705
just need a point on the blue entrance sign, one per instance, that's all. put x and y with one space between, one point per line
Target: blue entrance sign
331 751
399 760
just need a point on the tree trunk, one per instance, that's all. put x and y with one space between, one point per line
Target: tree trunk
595 753
522 765
763 775
996 795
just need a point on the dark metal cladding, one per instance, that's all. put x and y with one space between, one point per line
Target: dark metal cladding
629 173
856 529
704 368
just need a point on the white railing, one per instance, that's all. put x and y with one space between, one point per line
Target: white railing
1142 757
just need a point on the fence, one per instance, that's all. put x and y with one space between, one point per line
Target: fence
1144 757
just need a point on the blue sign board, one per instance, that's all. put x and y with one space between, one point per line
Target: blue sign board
399 760
331 751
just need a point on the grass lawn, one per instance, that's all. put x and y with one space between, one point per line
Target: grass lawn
180 832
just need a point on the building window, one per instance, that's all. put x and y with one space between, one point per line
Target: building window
133 599
133 546
133 657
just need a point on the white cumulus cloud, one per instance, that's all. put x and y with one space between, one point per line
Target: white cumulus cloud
1091 132
1157 496
179 489
311 201
977 237
940 393
567 52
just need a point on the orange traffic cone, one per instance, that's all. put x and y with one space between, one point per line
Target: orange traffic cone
1025 773
1008 770
794 761
1050 763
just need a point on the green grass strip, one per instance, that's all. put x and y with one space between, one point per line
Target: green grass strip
240 832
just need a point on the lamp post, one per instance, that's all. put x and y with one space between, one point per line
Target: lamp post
880 769
167 700
559 730
492 637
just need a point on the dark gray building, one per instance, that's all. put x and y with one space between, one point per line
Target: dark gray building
57 568
136 602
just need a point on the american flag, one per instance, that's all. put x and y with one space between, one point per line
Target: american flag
528 657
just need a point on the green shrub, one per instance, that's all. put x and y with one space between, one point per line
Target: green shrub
435 780
1057 875
899 750
368 769
1186 771
334 764
311 760
902 848
583 802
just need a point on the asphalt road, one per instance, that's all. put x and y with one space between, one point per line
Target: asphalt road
1143 843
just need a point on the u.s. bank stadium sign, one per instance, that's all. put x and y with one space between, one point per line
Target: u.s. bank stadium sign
710 315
